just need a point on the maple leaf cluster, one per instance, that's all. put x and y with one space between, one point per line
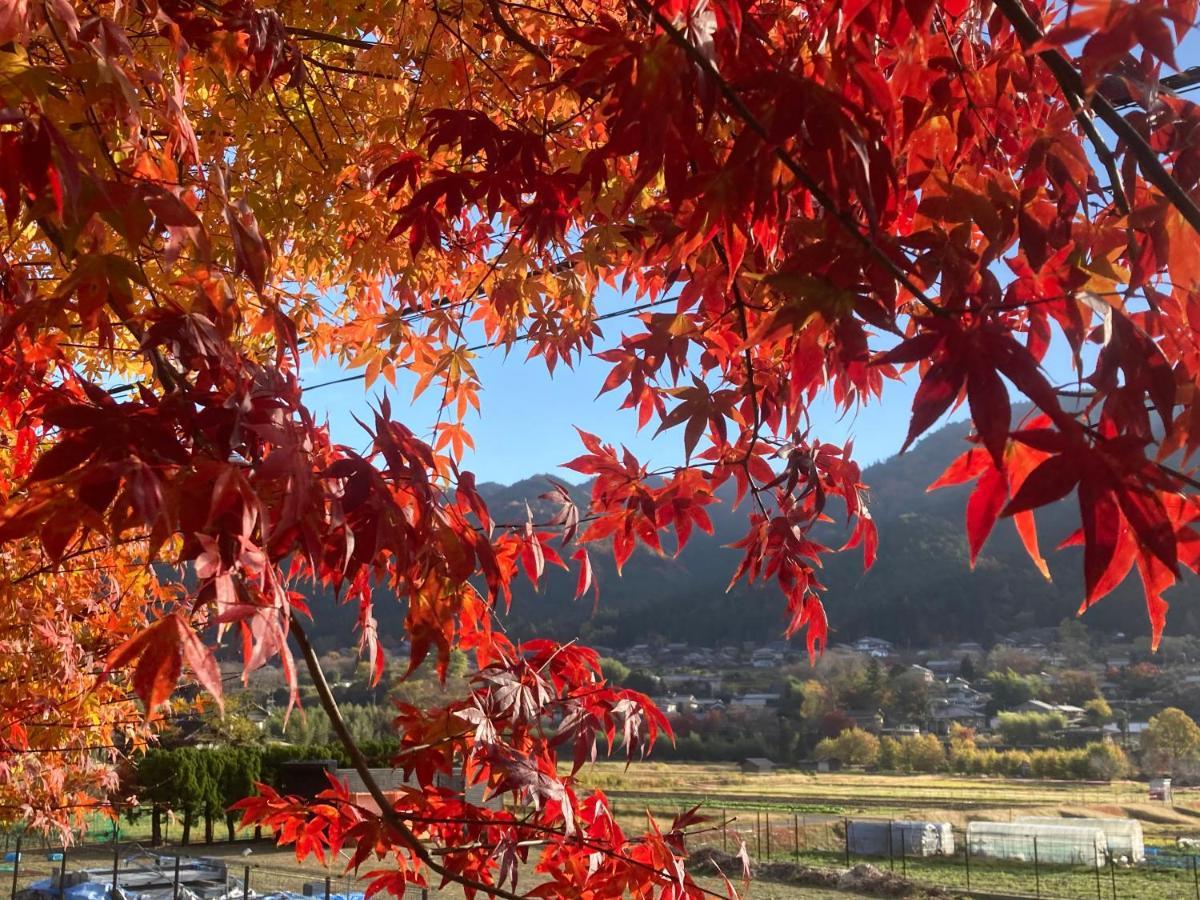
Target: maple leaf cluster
800 200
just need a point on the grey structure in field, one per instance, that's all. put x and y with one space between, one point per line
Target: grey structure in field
142 875
872 837
307 778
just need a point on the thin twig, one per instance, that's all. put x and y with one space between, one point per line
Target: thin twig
386 811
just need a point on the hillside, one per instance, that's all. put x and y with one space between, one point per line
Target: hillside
920 591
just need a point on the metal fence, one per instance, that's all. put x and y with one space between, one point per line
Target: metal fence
771 835
821 840
30 859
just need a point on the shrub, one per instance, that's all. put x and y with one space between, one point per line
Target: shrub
1107 761
889 754
1098 712
1031 727
853 747
921 753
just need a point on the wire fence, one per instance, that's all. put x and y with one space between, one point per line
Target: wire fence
30 862
1034 864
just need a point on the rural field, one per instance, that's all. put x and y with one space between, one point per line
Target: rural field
791 823
800 818
274 869
854 792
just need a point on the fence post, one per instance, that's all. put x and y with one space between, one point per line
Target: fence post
1112 872
758 834
327 885
967 858
16 865
891 854
175 881
116 863
903 855
846 827
245 882
1037 874
795 836
62 871
1098 895
768 817
724 831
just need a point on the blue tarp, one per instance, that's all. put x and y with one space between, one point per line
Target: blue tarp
88 890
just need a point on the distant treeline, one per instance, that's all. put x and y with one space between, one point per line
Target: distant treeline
201 783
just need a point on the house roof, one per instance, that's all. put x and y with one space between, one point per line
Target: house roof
955 712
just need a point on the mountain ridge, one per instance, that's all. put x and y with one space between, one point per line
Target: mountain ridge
920 592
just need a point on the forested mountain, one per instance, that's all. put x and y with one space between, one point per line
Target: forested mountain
921 590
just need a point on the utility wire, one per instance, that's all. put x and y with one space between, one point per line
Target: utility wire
524 336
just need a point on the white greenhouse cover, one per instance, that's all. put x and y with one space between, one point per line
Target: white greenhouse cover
1052 844
1124 835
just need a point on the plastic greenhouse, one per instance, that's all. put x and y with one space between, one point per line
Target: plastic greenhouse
1025 841
1124 836
870 837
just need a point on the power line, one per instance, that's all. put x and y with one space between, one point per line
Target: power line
1118 95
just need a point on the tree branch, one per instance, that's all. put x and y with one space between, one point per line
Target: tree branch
387 813
513 35
1072 85
848 223
312 35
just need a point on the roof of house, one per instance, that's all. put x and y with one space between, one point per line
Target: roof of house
955 712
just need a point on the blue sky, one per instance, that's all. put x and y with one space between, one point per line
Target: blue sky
525 426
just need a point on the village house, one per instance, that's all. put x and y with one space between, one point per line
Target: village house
1071 713
926 674
873 646
866 719
755 701
757 765
944 716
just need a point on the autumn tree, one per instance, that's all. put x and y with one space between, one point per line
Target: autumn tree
853 747
797 200
1107 761
1171 743
919 753
1098 712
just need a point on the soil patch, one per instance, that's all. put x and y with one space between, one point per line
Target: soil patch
862 879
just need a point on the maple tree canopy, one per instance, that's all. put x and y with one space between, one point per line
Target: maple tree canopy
803 198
